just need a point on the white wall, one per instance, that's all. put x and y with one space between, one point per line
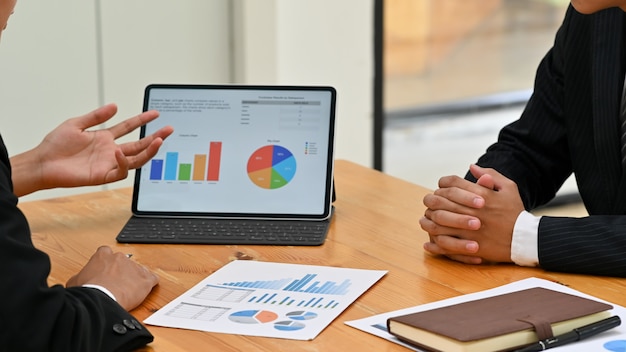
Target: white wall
322 42
160 41
47 68
62 59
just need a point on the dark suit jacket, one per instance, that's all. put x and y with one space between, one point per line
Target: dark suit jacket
36 317
571 124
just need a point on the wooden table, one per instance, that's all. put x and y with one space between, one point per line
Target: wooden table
375 226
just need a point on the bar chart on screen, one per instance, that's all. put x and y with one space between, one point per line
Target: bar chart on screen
176 166
267 299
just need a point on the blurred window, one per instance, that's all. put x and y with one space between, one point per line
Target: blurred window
440 51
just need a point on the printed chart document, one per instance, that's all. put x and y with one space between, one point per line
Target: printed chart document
612 340
245 297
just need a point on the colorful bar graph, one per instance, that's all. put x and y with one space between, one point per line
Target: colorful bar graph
204 167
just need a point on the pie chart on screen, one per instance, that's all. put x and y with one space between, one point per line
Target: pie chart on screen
271 167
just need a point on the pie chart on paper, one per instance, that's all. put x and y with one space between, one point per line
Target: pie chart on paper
271 167
253 316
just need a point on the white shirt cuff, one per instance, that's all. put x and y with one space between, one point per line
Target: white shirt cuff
524 244
104 290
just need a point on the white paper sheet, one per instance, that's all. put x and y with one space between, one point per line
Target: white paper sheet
280 300
613 340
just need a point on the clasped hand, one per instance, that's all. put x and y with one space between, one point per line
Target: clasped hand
472 222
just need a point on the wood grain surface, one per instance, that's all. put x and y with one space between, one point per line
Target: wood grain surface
375 226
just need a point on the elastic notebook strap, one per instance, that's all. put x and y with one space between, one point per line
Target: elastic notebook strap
542 327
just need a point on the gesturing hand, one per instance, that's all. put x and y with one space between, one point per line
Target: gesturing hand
71 155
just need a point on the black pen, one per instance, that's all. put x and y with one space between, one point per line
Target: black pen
577 334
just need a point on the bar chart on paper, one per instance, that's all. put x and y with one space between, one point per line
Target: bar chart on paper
267 299
298 285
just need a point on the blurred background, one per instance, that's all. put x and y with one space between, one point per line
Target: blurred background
455 72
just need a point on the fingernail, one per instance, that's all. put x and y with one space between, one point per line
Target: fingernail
479 202
472 247
474 224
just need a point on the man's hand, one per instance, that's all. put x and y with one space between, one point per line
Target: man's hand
472 222
129 281
71 155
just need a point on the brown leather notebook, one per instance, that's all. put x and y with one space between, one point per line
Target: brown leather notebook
498 323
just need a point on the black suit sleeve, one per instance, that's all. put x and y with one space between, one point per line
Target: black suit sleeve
590 245
37 317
